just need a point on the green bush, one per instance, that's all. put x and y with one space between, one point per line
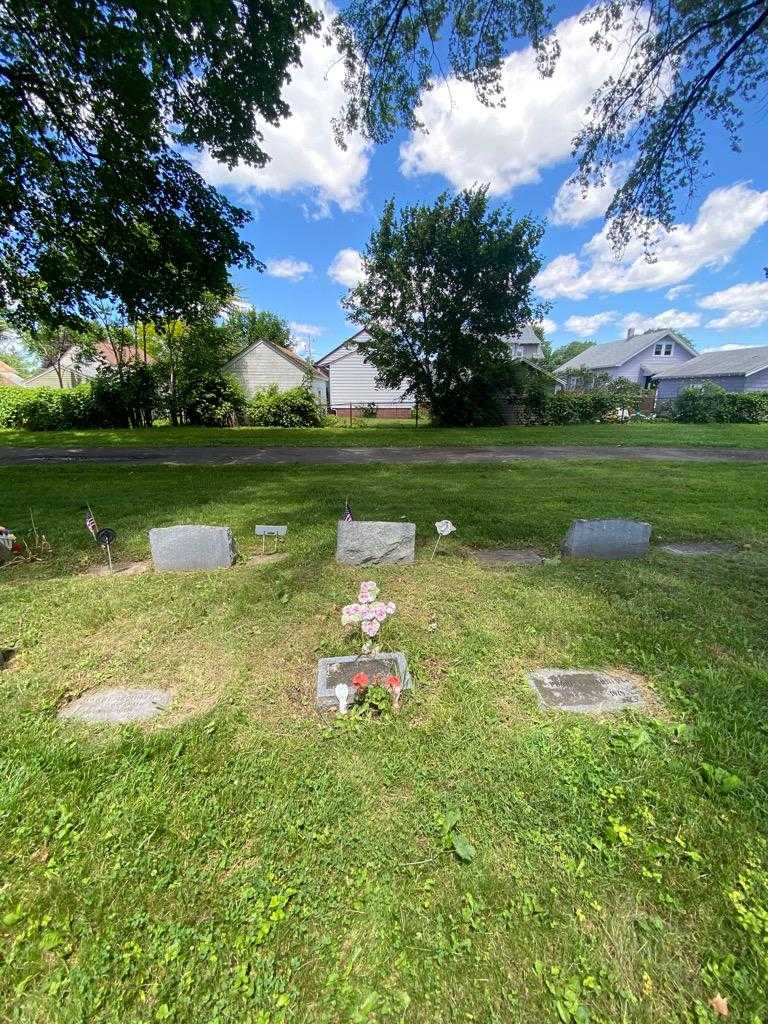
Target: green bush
588 404
47 408
296 407
710 403
126 397
213 399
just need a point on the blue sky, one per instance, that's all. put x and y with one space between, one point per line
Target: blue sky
314 206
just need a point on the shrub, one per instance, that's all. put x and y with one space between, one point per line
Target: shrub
710 403
47 408
213 399
126 397
296 407
369 411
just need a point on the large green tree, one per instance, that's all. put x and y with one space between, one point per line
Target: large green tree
686 63
443 287
100 102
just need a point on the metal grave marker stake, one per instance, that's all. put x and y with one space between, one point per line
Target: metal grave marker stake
270 531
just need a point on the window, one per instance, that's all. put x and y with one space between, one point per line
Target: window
664 349
657 350
668 349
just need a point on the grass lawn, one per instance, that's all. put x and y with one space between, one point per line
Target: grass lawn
245 860
404 433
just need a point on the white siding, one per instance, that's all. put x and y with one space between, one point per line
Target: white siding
353 382
258 367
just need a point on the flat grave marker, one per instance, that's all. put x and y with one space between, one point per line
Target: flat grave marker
333 672
359 542
690 549
584 690
116 706
184 548
607 538
503 558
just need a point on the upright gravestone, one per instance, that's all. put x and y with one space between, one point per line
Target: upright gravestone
180 548
607 538
372 543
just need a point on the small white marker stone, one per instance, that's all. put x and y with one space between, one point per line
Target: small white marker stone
342 695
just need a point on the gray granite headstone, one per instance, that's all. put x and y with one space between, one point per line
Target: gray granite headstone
504 557
116 706
692 548
607 538
332 671
372 543
178 548
584 690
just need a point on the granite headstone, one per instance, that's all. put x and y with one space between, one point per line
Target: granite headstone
374 543
179 548
607 538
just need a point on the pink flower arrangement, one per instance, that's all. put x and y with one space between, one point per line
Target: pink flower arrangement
370 613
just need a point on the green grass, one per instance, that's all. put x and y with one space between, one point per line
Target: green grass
404 433
242 861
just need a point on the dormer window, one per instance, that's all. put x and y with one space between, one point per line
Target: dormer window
663 349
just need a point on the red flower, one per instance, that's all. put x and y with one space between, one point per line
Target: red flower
393 682
360 681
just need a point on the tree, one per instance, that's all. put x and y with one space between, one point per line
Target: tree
685 63
566 352
97 102
244 327
22 366
51 344
443 286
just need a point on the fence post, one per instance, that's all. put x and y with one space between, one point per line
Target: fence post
350 414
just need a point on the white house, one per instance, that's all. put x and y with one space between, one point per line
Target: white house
264 363
352 380
638 357
74 369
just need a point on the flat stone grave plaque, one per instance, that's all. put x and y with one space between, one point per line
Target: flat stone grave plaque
119 569
502 558
271 531
181 548
689 549
375 543
607 538
116 706
584 690
332 671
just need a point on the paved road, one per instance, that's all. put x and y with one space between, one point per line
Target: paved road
236 456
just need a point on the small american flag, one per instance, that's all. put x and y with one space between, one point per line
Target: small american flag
348 517
90 523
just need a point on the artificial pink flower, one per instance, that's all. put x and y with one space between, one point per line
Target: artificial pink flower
360 681
371 628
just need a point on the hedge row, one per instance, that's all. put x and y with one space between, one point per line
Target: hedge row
710 403
47 408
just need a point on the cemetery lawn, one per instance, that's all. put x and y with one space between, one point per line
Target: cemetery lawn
404 433
244 860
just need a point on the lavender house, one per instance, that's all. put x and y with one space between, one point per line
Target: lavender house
742 369
638 357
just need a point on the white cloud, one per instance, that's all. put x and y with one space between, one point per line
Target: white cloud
590 324
467 142
571 207
745 305
240 305
306 330
548 326
304 154
674 318
727 219
346 268
677 291
290 269
723 348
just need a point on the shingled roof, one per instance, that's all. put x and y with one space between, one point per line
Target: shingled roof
614 353
736 362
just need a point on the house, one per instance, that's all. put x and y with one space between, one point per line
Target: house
352 380
75 369
639 357
9 377
264 363
526 344
741 369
